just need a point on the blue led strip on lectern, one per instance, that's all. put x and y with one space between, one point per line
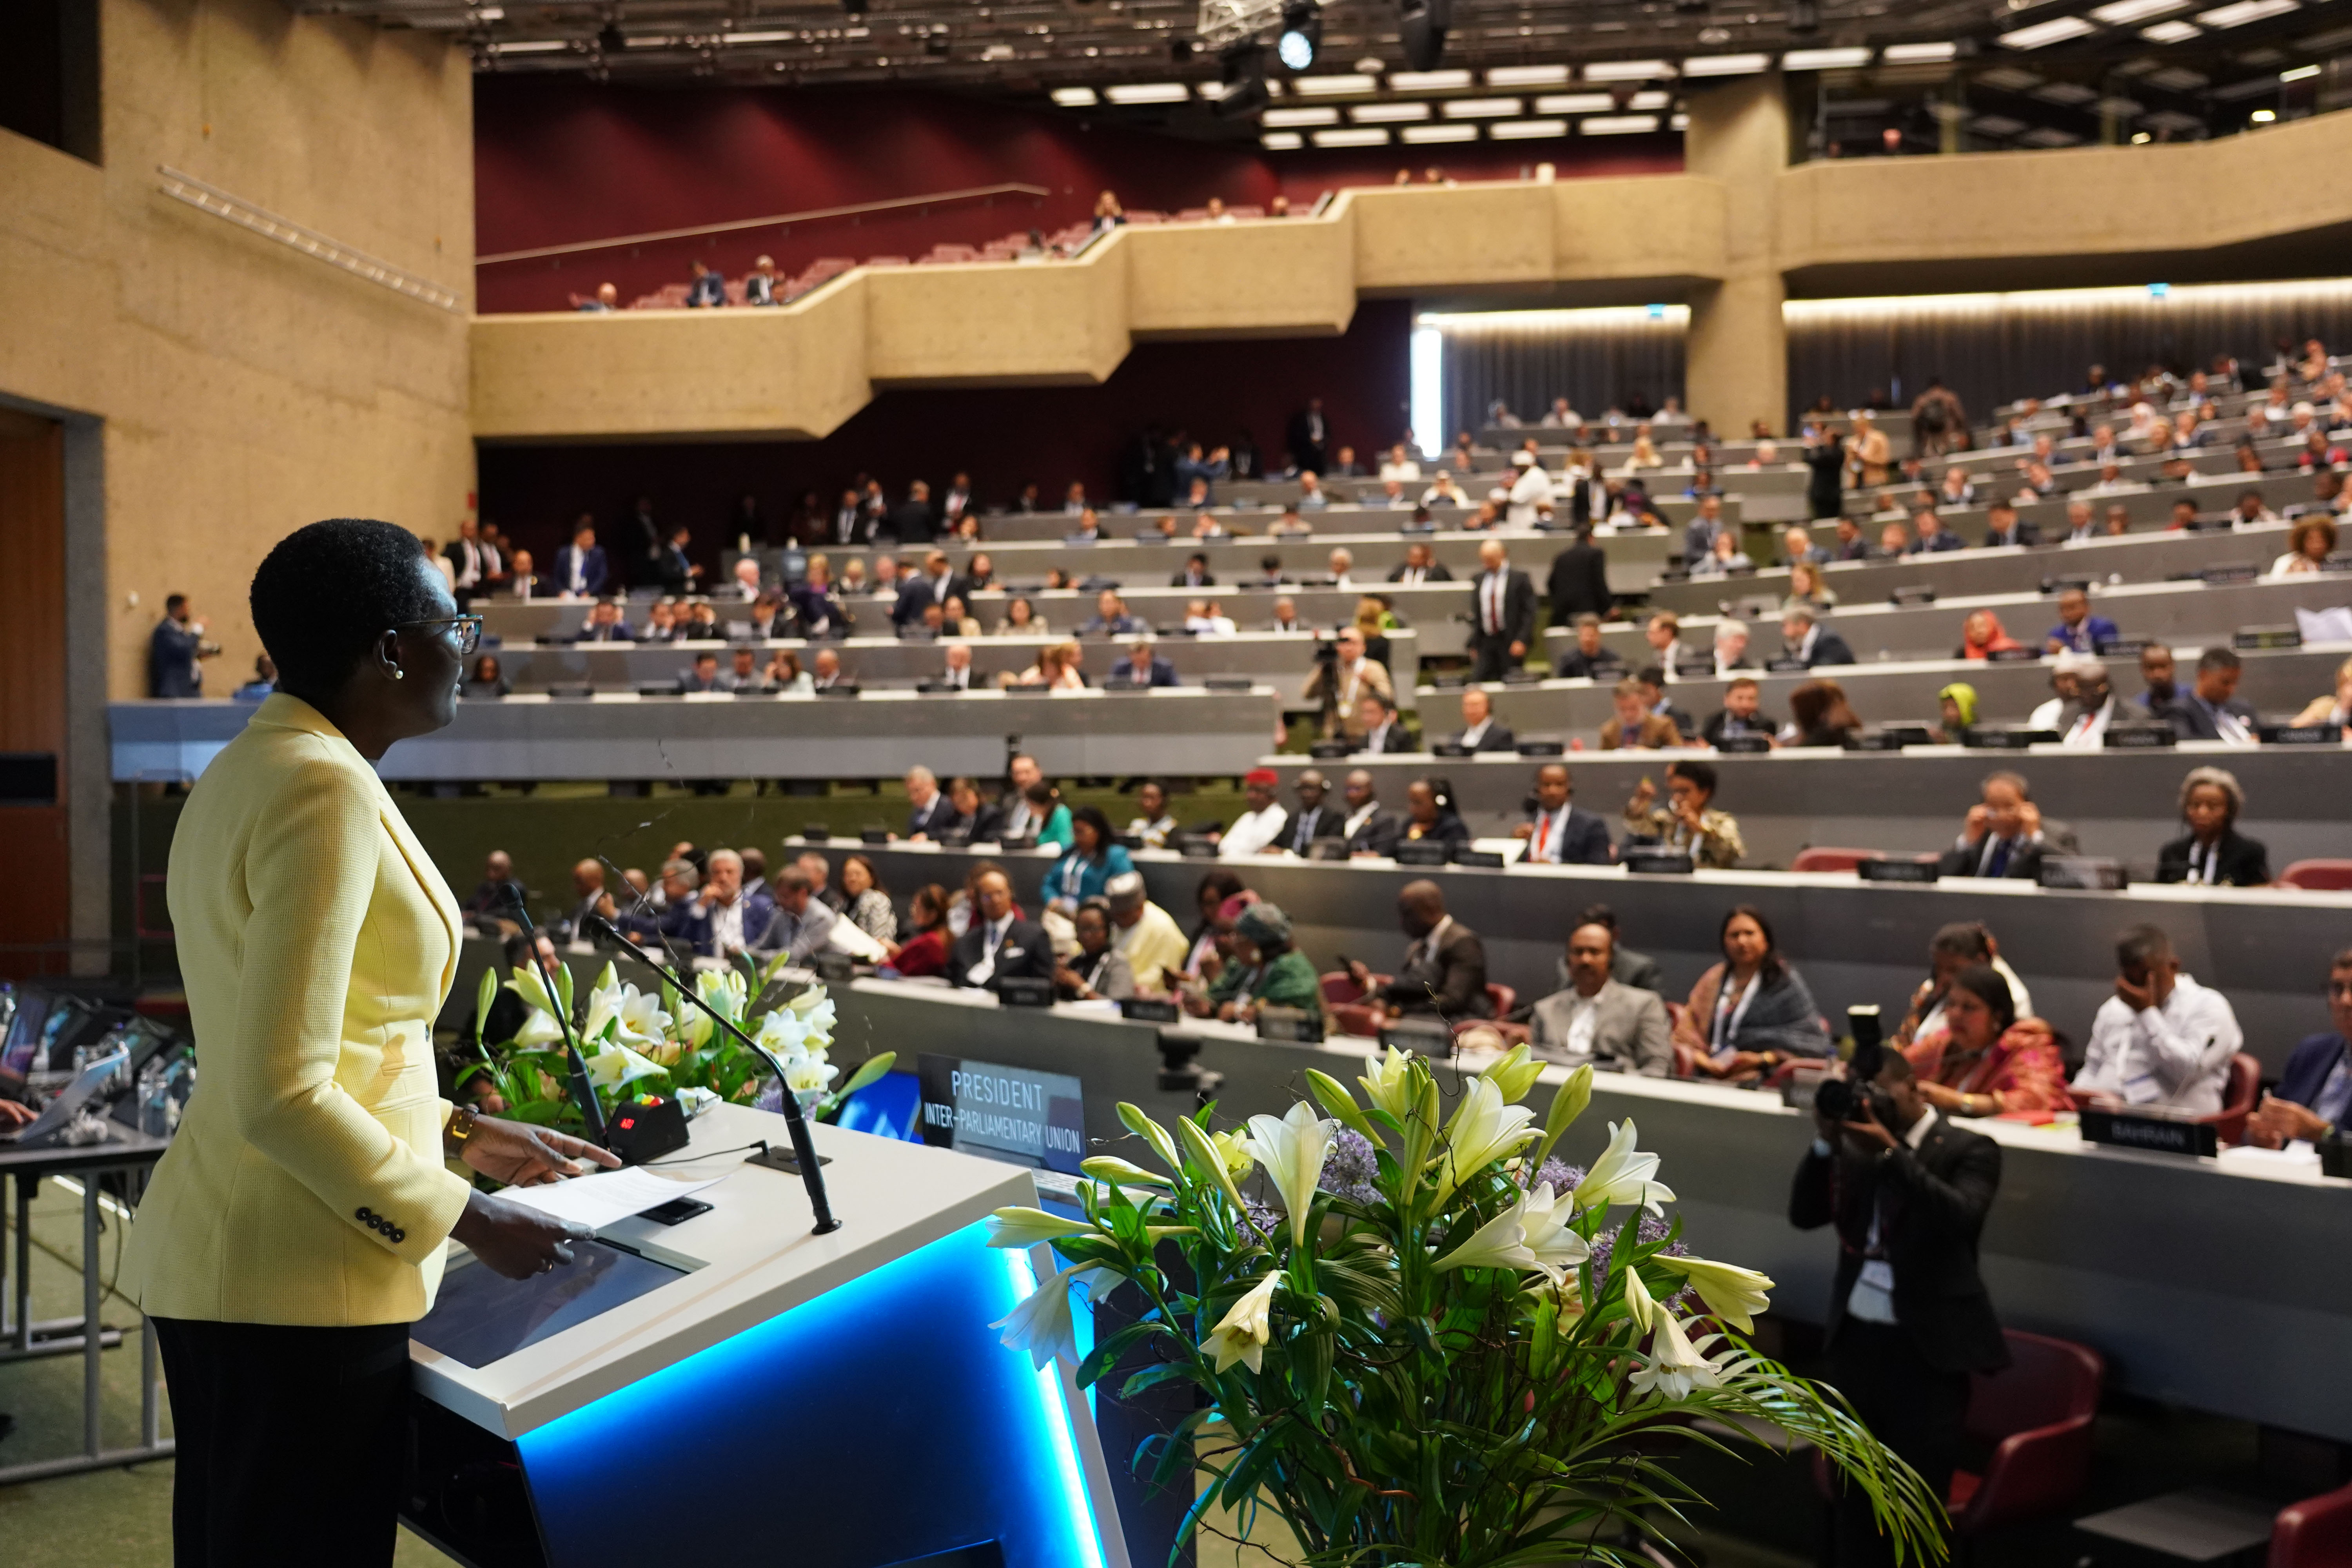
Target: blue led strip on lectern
879 1422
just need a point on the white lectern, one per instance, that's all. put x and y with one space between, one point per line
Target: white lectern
731 1388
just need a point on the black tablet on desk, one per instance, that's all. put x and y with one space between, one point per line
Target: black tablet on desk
481 1316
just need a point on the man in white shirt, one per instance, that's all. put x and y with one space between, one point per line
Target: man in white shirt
2066 672
1532 487
956 674
2161 1040
2083 722
747 578
1731 648
1144 934
1399 464
1343 562
1443 492
1259 828
726 905
1285 616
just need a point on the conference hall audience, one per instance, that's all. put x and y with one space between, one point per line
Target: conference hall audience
1741 717
1097 970
2005 834
1314 819
1819 715
2210 710
2308 545
1597 1018
1351 676
1152 823
1443 974
1368 828
1635 726
2162 1041
2078 630
1686 822
999 942
2332 712
1261 828
2211 851
1808 642
1379 730
1750 1012
1093 858
1953 948
1145 936
865 901
1263 970
1479 732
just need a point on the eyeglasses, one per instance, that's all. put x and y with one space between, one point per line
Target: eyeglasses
468 627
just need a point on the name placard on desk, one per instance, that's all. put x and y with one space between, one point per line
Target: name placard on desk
1034 1118
2153 1135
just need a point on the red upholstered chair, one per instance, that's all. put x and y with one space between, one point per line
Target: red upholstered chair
1354 1018
2318 876
2037 1413
1686 1061
1500 999
2239 1092
2314 1533
1339 985
1812 858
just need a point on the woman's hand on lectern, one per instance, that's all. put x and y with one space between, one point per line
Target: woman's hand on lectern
515 1241
15 1115
523 1155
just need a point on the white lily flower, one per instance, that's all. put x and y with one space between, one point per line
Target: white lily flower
1484 1129
1546 1215
1235 1149
528 985
1639 1305
1732 1293
784 1032
724 989
1120 1172
1014 1225
1676 1367
1041 1324
814 1005
1389 1085
1243 1333
1514 1072
1622 1174
616 1066
1292 1150
1500 1243
538 1031
810 1075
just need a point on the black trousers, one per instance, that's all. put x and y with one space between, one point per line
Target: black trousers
1912 1408
290 1442
1493 653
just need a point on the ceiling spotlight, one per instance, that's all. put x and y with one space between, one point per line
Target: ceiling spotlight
1301 34
1420 28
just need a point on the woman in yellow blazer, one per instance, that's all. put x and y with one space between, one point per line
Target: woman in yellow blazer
296 1227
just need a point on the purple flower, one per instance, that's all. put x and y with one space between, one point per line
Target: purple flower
1353 1168
1648 1229
1562 1176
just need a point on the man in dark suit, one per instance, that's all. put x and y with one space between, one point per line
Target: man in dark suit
998 942
580 568
1141 667
1809 642
1479 732
2004 529
1444 970
641 544
2314 1092
911 520
930 812
1314 819
1698 538
1369 829
1558 832
1309 438
676 570
1590 659
1910 1319
1196 573
1502 613
472 563
702 675
849 523
172 650
2005 834
1383 731
1420 566
2210 710
1579 582
935 586
708 291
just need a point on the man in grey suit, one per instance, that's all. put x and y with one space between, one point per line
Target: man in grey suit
1598 1020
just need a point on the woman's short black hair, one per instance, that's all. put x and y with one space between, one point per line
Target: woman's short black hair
327 591
1092 815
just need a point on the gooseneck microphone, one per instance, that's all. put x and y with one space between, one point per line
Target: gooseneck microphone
803 1146
584 1088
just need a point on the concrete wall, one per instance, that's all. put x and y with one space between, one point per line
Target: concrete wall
219 390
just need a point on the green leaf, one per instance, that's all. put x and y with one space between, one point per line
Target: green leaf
872 1070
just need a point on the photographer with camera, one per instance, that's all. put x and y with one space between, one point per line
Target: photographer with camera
1909 1317
1343 676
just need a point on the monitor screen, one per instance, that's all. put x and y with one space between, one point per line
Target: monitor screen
481 1317
25 1032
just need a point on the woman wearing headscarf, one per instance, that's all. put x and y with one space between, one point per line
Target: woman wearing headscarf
1986 1060
1265 970
1982 636
1957 704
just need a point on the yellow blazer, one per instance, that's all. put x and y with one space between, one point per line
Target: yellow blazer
316 943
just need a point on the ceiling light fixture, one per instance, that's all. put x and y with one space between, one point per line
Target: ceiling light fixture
1356 138
2172 31
2300 73
1725 65
1148 92
1618 124
1526 130
2262 116
1426 135
1429 81
1387 113
2041 34
1537 76
1921 54
1282 141
1479 108
1333 86
2125 13
1575 103
1074 96
1628 70
1291 118
1825 59
1302 35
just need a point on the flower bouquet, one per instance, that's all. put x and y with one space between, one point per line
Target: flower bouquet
1418 1339
640 1043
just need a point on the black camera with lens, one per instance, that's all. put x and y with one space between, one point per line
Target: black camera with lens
1840 1097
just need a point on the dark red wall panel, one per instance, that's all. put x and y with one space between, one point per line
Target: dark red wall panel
559 160
1003 440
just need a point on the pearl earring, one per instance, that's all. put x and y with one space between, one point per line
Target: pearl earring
398 673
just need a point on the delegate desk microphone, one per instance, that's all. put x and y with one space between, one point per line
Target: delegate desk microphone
584 1088
803 1146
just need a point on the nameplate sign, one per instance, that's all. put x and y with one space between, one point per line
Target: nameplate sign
2304 735
2013 656
2237 572
1658 863
1744 745
1422 852
2267 636
1785 666
1540 749
1149 1010
1292 1026
1023 1117
2142 736
2150 1134
1897 870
